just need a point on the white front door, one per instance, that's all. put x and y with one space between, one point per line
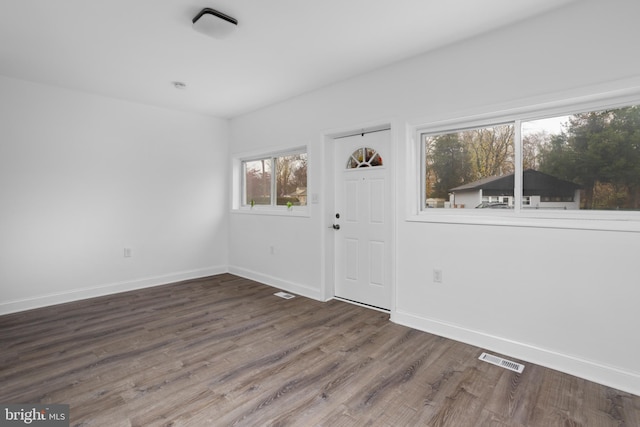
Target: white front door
363 214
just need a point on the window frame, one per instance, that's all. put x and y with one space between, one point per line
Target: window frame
518 216
239 202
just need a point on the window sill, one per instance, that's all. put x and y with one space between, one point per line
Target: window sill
296 211
624 222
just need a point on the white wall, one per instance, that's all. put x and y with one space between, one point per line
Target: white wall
468 199
567 298
83 176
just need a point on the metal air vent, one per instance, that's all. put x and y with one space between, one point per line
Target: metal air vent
504 363
284 295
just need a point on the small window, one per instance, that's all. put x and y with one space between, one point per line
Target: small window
257 178
364 157
278 180
291 180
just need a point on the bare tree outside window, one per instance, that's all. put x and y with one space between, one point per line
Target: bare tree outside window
291 179
459 159
258 182
276 180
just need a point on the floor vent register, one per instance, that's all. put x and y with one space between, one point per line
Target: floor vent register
504 363
284 295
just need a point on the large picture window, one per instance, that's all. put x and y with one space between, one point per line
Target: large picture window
275 180
582 161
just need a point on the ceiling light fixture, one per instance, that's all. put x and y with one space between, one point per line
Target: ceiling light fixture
213 23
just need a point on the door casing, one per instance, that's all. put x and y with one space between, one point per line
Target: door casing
328 182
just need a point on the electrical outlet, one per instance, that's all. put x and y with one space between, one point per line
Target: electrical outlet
127 252
437 276
272 250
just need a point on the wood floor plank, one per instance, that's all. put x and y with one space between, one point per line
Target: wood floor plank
515 395
224 350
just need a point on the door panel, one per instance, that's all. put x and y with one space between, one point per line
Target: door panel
352 260
351 200
376 263
363 242
376 200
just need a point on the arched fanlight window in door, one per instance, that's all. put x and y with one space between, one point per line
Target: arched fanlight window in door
364 157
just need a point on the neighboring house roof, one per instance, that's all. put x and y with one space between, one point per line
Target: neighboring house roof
534 183
492 182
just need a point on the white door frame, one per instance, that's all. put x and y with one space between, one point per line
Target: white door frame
328 201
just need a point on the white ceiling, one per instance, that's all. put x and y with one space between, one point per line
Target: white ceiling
134 49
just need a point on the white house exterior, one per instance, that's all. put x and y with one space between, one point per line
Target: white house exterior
540 191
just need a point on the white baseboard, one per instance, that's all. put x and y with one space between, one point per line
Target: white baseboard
291 287
589 370
107 289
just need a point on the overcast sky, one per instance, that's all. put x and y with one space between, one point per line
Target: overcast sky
551 125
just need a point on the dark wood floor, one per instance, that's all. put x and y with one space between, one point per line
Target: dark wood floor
224 351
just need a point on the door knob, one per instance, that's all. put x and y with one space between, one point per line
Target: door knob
335 226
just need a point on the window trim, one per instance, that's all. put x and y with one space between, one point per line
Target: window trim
628 221
240 205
